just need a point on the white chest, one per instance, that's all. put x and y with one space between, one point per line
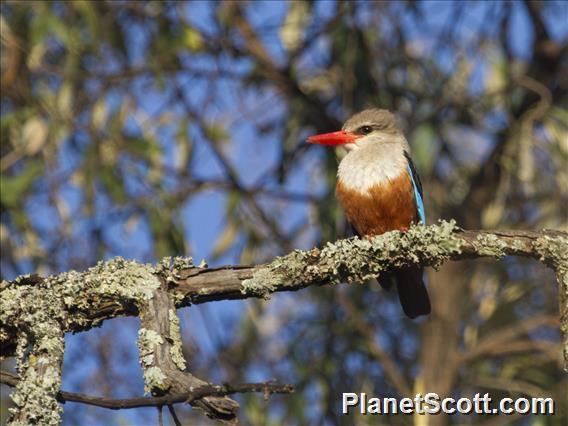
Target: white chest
362 168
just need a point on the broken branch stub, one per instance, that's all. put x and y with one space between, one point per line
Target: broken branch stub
162 360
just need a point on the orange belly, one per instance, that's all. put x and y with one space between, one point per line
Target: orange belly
386 207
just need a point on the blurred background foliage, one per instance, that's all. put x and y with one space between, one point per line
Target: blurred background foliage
146 129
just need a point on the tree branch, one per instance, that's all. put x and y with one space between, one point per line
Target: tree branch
267 388
164 366
35 312
113 288
390 368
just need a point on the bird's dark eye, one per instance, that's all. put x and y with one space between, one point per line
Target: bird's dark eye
365 130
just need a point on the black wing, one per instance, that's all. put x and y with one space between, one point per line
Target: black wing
414 172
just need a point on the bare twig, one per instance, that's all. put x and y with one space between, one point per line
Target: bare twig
389 366
501 340
146 401
173 413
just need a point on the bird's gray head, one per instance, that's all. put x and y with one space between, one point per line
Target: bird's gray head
372 126
366 128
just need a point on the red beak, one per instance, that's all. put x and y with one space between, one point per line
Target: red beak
334 138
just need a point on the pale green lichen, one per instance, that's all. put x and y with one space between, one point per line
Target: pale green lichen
170 263
35 394
22 279
517 246
554 252
176 344
147 342
127 279
356 259
262 283
490 245
42 305
169 267
117 279
25 305
154 379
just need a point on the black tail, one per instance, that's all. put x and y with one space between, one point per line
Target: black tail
412 292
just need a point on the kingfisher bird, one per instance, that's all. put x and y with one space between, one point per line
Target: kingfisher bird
380 190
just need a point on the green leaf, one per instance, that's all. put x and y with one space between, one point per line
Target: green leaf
233 201
14 188
215 132
168 236
113 184
99 114
184 146
424 147
225 240
89 12
192 39
65 100
34 135
293 28
143 148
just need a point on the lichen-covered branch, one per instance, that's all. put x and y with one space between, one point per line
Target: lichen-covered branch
111 289
39 360
163 364
39 356
36 311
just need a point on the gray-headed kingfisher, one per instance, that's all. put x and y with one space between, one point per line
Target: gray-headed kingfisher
379 189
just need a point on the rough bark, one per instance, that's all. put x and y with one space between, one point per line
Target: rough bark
75 301
159 341
39 361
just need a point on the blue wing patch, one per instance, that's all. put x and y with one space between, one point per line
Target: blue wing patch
417 196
